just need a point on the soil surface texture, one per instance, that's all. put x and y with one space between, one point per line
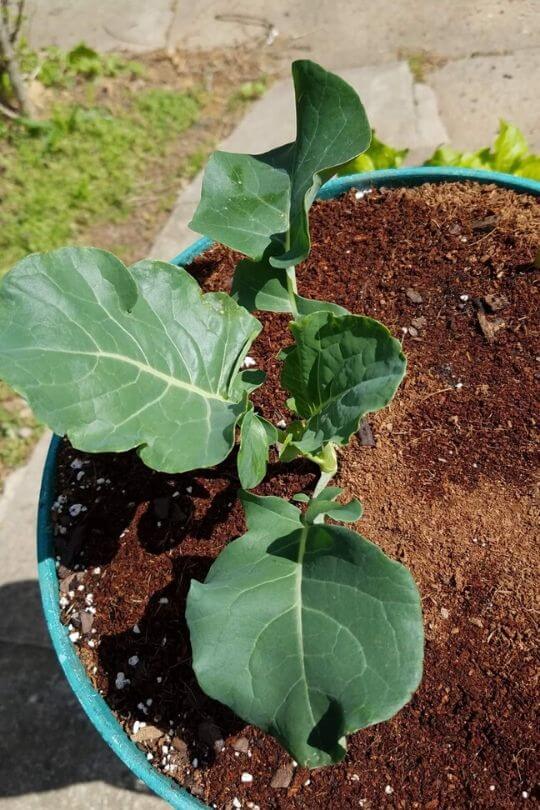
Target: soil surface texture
447 477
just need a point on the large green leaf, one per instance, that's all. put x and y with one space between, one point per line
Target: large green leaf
118 358
340 369
306 630
259 204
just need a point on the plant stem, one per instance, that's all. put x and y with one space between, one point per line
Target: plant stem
292 289
323 482
327 461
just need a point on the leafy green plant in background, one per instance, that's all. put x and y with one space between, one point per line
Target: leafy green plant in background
509 153
55 67
302 627
379 155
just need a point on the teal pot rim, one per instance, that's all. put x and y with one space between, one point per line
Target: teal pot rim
93 704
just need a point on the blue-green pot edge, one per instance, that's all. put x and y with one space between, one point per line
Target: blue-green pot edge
93 704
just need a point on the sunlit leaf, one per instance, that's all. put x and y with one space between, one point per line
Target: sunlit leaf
120 358
254 447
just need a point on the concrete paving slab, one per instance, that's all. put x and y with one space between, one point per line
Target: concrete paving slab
339 34
133 25
344 33
473 94
50 755
401 114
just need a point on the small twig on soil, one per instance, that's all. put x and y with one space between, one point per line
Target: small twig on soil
485 236
440 391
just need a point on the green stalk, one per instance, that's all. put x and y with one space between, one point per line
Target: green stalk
327 461
292 289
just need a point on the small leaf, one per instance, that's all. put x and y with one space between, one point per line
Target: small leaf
272 434
340 369
257 285
244 201
306 306
253 452
120 358
308 631
509 148
250 379
345 512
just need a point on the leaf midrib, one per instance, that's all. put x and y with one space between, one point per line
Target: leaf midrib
146 369
298 611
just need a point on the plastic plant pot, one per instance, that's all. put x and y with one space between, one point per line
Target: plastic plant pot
95 707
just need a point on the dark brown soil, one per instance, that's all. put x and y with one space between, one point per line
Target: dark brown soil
448 489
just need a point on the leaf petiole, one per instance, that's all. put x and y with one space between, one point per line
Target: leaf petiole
292 289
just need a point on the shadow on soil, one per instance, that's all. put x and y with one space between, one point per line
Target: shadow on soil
46 740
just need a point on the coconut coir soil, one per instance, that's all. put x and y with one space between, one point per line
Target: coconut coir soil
447 488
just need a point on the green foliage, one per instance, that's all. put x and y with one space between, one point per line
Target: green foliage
54 67
80 166
509 153
249 91
122 358
340 369
306 629
266 198
258 285
379 156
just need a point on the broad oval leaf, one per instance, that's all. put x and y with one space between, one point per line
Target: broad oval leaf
308 631
119 358
340 369
259 204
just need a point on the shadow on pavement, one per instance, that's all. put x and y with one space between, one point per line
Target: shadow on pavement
46 740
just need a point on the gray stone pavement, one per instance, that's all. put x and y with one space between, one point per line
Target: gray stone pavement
50 757
489 50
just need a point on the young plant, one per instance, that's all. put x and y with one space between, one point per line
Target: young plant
302 627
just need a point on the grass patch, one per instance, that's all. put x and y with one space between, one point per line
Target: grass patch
80 166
